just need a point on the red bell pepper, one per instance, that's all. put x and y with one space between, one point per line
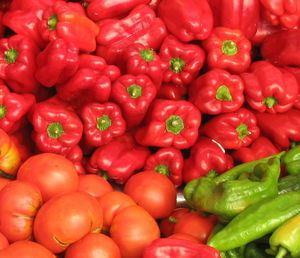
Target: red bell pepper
172 91
56 128
228 49
260 148
179 248
296 72
154 4
187 20
282 48
167 161
1 24
237 14
102 9
90 83
119 159
10 159
170 123
217 91
281 12
139 59
57 62
181 62
140 26
232 130
134 95
268 88
75 154
102 123
17 63
69 22
206 156
281 128
13 109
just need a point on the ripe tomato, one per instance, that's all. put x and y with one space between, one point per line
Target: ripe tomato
153 191
26 249
65 219
94 185
112 203
52 173
195 224
133 229
20 202
93 245
3 242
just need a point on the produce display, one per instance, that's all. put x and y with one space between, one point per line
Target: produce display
149 128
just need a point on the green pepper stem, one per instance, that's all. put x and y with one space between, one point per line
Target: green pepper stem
242 130
177 64
103 174
174 124
11 55
52 22
2 111
270 102
162 169
55 130
223 93
229 47
281 252
85 4
173 219
135 91
147 55
103 122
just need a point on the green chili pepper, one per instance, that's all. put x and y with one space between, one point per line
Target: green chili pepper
253 250
289 183
231 192
256 221
291 160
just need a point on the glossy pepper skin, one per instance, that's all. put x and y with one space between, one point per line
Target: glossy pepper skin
291 160
172 91
13 109
257 221
140 26
236 14
282 12
296 72
57 62
170 123
280 128
133 94
268 88
260 148
179 248
69 22
228 49
180 62
17 63
10 159
217 91
167 161
187 20
232 130
118 159
285 239
103 9
206 156
139 59
233 191
56 129
102 123
90 83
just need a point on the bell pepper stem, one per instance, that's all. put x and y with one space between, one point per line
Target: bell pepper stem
177 64
270 102
173 219
242 130
55 130
147 55
174 124
223 93
229 47
11 55
2 111
162 169
281 252
52 22
103 122
135 91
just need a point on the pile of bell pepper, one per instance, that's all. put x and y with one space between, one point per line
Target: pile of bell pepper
204 92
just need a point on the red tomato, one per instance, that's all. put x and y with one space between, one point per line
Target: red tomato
65 219
20 202
26 249
93 246
167 224
185 236
3 242
94 185
52 173
195 224
153 191
133 229
112 203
